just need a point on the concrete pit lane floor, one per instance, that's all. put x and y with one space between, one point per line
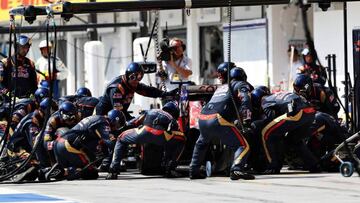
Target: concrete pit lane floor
132 187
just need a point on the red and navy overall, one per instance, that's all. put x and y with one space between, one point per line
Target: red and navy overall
26 132
22 108
324 100
217 120
316 72
326 134
156 127
290 116
78 146
45 154
26 81
119 94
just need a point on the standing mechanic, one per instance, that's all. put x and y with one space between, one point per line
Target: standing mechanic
219 116
26 80
118 95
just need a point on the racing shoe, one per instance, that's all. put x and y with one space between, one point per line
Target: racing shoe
112 176
236 175
104 168
173 174
55 172
197 175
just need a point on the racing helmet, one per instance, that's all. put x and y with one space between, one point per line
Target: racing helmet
23 40
67 111
172 108
44 104
41 93
222 70
303 85
257 94
83 92
238 74
116 118
134 71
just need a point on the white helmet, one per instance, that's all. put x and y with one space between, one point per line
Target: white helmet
43 44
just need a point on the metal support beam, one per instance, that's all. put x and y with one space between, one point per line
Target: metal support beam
66 28
105 7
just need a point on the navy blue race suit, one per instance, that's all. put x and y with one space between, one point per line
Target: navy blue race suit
22 108
26 82
78 146
85 105
154 126
45 153
316 72
326 134
119 94
26 132
324 100
217 121
288 116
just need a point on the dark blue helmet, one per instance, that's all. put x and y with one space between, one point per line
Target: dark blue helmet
222 70
45 84
44 104
134 71
172 108
257 94
83 92
238 74
116 118
303 85
41 93
23 40
67 111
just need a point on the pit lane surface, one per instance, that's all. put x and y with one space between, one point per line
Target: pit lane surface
133 187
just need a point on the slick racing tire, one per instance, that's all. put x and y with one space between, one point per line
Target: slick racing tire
151 157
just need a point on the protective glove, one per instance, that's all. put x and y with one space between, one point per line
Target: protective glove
173 94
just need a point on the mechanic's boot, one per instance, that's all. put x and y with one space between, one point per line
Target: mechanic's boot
113 174
196 174
73 173
55 172
236 175
104 167
173 174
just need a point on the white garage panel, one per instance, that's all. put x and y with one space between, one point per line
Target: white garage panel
248 48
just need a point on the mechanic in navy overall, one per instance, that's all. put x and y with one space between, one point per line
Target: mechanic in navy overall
155 126
219 116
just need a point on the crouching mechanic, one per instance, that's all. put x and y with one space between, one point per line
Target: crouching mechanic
77 148
27 105
66 116
289 118
326 135
25 133
217 119
157 127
